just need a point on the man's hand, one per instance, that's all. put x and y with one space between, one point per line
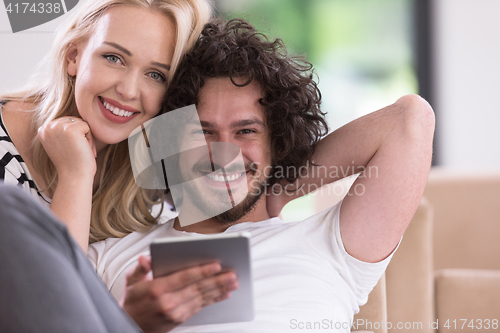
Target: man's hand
159 305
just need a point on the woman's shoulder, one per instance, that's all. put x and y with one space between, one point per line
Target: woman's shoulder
17 111
16 120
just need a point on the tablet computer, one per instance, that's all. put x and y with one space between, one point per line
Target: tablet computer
232 251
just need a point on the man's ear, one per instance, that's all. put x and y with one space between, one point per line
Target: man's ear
71 56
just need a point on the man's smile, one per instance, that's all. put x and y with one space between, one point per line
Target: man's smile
224 177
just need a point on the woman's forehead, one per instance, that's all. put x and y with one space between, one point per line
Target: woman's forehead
137 28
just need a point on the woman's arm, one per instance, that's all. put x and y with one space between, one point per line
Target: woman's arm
69 144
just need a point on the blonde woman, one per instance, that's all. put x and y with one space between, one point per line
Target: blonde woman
106 56
63 139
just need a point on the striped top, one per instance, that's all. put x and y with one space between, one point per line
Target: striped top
13 170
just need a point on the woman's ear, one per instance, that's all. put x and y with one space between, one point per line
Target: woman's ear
71 56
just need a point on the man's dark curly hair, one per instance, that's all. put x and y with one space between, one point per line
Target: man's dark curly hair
291 96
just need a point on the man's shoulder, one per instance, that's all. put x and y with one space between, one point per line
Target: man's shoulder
328 215
112 248
323 221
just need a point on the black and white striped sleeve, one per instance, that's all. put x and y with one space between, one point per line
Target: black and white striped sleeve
13 170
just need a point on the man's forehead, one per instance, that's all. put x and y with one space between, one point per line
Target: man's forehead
220 96
223 87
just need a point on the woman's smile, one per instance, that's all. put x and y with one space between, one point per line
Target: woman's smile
116 112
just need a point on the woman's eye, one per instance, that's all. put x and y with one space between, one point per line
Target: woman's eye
112 58
157 77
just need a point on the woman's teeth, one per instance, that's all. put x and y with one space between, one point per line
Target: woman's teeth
116 111
220 178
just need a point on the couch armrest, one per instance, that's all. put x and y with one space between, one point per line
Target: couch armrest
410 276
372 316
470 294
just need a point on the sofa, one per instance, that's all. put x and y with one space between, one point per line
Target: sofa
445 276
466 249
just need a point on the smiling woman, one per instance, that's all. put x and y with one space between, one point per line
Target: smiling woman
108 70
63 139
123 70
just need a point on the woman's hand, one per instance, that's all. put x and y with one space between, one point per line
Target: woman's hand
159 305
70 145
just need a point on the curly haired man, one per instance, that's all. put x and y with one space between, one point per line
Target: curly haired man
312 274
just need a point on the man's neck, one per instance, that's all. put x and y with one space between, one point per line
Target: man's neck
211 226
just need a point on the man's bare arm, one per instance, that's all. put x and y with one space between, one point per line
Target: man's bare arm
394 148
398 144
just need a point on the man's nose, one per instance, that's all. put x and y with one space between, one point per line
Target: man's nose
223 137
223 153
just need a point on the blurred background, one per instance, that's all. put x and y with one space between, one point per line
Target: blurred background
366 53
362 50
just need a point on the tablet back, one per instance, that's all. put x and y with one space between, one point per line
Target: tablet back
231 250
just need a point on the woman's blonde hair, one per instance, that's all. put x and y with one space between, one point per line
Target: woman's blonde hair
119 206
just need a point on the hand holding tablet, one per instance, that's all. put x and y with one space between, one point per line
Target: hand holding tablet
232 251
161 304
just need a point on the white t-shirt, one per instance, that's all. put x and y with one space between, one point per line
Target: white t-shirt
303 277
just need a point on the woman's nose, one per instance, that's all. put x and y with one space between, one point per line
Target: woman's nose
128 87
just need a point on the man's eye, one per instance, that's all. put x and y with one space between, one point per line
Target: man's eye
247 131
201 131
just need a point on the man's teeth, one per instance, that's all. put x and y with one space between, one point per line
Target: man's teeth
116 111
220 178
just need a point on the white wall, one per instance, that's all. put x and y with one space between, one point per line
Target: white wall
467 80
21 52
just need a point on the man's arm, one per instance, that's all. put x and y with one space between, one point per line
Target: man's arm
394 148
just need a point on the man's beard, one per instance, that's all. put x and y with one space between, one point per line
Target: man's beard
208 203
243 208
